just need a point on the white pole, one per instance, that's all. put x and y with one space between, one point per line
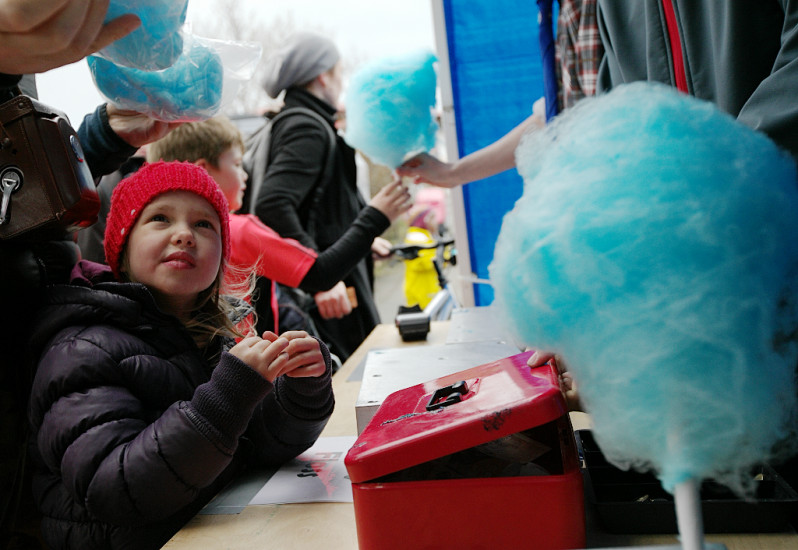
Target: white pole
463 280
688 515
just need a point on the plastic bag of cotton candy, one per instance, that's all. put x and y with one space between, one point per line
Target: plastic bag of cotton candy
205 76
655 248
158 41
389 105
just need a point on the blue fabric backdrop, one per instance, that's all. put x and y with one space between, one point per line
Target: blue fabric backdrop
496 77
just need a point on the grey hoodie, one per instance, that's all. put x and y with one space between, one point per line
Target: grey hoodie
740 54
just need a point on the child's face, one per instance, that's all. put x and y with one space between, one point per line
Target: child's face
230 176
175 249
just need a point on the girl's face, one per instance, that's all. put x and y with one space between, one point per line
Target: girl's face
175 249
230 176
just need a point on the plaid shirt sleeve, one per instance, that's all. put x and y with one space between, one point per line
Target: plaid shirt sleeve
578 51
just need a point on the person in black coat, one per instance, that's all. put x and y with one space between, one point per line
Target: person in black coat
308 70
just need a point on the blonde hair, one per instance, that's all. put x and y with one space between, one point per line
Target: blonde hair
220 308
193 141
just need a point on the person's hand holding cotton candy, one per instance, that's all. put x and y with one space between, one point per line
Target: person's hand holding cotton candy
389 108
655 249
157 43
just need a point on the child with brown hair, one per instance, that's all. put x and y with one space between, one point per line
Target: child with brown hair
217 145
143 405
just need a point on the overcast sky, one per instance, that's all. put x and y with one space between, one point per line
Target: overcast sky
363 30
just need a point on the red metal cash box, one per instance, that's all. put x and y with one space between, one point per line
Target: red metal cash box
483 458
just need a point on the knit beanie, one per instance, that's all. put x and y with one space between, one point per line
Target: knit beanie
304 57
137 190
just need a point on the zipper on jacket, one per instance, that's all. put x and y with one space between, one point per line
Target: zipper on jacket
679 73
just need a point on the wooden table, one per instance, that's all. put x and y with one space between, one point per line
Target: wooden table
315 526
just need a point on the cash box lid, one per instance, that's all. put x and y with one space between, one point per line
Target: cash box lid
453 413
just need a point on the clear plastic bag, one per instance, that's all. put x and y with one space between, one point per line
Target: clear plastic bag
157 43
204 77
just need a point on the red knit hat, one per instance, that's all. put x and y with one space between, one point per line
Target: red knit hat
136 191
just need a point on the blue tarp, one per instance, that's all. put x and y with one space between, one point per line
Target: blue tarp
496 76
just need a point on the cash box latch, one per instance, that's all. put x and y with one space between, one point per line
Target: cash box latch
443 397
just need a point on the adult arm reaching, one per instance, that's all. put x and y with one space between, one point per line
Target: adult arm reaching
488 161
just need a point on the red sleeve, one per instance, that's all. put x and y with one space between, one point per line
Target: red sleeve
277 258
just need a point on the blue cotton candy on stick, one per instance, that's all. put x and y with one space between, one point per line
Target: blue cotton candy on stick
157 43
655 248
389 107
190 90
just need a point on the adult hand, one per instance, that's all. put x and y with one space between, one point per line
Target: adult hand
424 168
333 303
39 35
393 200
381 248
567 382
135 128
293 353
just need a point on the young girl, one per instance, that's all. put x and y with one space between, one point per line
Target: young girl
217 145
143 405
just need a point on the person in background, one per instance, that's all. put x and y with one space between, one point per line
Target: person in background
218 146
308 70
143 405
694 46
697 47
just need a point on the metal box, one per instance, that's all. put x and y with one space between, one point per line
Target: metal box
389 370
483 458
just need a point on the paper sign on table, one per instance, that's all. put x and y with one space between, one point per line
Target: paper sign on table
317 475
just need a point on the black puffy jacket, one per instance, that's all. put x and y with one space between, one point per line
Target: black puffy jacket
133 430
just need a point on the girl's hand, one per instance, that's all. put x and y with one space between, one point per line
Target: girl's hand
294 353
305 357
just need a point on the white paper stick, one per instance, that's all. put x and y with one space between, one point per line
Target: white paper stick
688 515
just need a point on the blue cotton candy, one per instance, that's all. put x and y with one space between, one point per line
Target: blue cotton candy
189 90
157 43
389 108
656 248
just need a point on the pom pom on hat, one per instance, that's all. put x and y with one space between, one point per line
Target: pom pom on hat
136 191
303 58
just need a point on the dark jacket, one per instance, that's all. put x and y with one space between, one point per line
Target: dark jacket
298 148
27 265
134 429
741 54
